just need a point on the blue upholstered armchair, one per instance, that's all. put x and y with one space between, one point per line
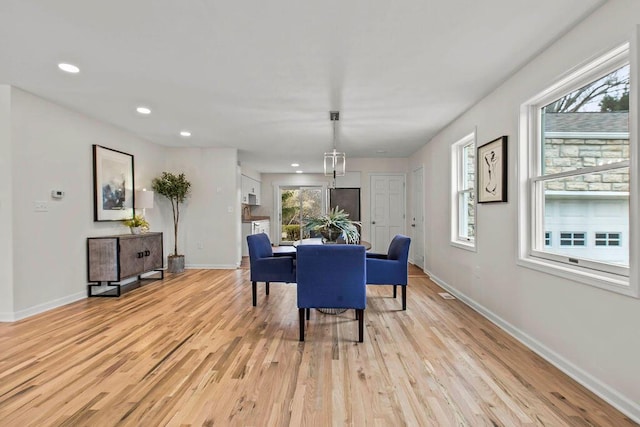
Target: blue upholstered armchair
331 276
265 267
391 268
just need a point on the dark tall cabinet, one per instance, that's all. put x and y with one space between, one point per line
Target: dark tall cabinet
348 199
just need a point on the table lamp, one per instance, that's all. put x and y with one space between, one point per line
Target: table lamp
144 200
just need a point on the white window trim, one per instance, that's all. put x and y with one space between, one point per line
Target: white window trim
527 152
456 177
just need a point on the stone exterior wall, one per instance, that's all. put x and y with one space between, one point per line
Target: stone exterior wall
569 154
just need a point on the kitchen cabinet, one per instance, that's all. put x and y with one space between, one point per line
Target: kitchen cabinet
254 227
112 259
251 190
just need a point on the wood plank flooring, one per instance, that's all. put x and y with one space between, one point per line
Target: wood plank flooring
191 351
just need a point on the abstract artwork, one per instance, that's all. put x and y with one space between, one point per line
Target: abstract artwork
492 171
112 184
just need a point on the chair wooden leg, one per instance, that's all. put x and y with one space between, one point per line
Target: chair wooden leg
360 315
357 314
308 313
267 287
301 316
395 291
404 297
253 292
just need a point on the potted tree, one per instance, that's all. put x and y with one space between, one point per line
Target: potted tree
175 188
335 224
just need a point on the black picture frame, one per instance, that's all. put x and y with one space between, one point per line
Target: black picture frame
491 162
113 184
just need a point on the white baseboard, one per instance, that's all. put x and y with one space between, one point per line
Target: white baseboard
610 395
41 308
211 266
7 317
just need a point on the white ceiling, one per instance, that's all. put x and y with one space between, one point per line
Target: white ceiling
262 76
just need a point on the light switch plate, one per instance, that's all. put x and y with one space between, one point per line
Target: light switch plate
40 206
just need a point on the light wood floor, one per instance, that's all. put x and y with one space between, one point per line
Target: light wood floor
191 350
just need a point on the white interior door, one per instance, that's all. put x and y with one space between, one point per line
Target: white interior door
417 219
387 209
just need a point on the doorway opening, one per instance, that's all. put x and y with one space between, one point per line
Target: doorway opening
295 204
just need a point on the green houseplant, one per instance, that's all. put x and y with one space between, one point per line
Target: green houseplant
334 224
176 188
136 224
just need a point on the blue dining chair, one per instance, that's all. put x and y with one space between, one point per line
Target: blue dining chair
391 268
331 276
265 267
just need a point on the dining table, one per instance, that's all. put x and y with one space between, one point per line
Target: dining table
284 250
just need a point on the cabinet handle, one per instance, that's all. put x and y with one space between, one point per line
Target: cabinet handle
140 255
147 253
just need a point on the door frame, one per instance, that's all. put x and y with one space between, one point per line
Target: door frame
413 207
277 203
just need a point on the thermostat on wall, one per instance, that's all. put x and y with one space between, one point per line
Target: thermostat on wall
57 194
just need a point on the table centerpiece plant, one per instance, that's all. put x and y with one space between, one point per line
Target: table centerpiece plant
335 224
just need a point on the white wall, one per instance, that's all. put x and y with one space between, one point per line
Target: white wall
6 202
52 149
251 173
364 166
43 147
590 333
210 219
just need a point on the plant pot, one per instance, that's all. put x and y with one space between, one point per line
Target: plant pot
135 230
331 234
175 263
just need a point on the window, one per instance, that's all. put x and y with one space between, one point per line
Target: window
572 239
575 177
463 205
607 239
294 204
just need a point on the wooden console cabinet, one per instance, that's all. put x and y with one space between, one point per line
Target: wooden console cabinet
111 259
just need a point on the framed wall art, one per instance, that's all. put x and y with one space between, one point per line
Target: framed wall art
492 171
112 184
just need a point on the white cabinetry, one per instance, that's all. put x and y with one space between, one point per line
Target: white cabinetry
250 191
253 227
262 226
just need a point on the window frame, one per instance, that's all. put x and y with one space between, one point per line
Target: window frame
459 189
530 212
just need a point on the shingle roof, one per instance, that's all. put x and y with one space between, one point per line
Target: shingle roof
617 121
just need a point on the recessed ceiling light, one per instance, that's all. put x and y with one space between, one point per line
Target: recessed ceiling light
295 165
298 171
143 110
185 133
381 151
69 68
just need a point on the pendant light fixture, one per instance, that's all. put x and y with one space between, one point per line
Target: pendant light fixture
334 162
